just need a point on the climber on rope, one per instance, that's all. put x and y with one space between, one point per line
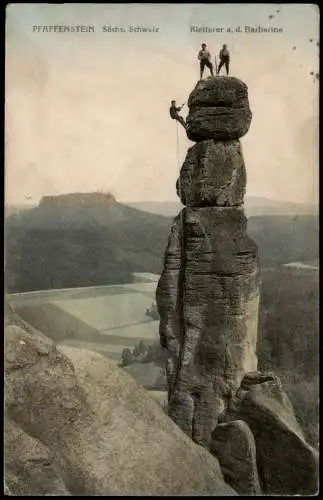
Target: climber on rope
173 111
204 57
224 59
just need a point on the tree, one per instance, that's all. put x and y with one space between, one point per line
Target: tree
127 357
139 350
156 354
153 312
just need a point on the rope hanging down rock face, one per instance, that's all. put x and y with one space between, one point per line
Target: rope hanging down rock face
178 170
182 299
179 183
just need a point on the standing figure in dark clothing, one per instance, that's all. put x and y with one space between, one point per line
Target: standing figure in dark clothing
204 57
173 111
224 59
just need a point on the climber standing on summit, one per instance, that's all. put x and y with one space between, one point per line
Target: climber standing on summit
204 57
224 59
173 111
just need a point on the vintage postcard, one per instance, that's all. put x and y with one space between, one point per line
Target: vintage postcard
161 249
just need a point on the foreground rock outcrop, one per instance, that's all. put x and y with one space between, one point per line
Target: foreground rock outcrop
30 466
287 465
234 445
92 427
208 293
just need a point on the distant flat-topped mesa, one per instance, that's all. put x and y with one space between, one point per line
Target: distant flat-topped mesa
77 199
218 109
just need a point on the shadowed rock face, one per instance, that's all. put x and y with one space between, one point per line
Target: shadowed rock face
234 445
224 91
208 293
287 465
218 109
209 312
213 174
169 300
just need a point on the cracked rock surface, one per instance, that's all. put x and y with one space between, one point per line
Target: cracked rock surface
218 109
208 299
286 464
208 293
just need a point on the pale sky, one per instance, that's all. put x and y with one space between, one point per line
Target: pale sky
89 111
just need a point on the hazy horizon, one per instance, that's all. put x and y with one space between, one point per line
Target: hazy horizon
248 198
89 111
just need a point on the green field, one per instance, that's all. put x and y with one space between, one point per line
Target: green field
112 349
107 319
148 289
109 312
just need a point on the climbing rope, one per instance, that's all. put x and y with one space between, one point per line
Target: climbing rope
181 272
179 182
177 145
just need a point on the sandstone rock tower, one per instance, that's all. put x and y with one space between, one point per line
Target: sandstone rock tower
208 293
